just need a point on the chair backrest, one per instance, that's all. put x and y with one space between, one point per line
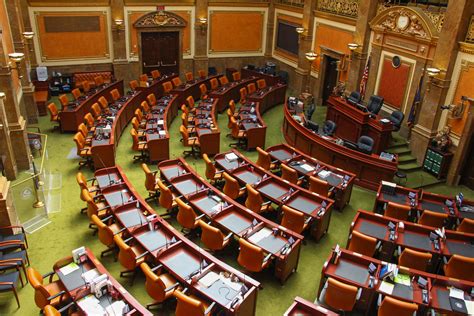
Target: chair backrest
149 178
211 237
231 186
229 118
190 102
355 97
310 111
126 254
243 94
166 197
135 143
433 219
83 129
397 118
185 109
135 123
115 94
145 107
186 216
254 199
80 142
133 85
460 267
81 180
250 256
49 310
76 93
398 211
203 89
139 114
466 226
329 127
289 174
95 110
375 104
89 120
214 83
319 186
143 77
236 76
340 296
234 126
154 285
53 111
210 168
99 80
63 100
187 306
365 144
362 244
176 81
391 306
292 219
223 80
251 88
151 98
155 74
86 86
184 135
232 106
103 102
264 159
41 293
167 86
92 207
189 76
414 259
184 119
106 235
261 83
201 73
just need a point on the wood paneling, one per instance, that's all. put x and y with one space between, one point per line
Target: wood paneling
393 83
464 87
236 31
7 41
62 3
73 44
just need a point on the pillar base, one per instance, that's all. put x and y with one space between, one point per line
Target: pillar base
19 141
301 80
30 104
419 141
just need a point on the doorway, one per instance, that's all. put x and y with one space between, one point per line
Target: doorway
330 77
160 51
467 174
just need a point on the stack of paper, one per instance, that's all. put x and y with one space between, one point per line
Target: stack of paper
90 275
231 157
116 308
69 268
209 279
307 168
386 287
91 306
323 174
261 234
402 279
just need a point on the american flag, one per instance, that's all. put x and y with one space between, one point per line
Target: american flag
365 77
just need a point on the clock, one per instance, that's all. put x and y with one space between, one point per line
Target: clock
396 61
402 22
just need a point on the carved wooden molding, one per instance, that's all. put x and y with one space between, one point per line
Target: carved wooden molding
470 31
160 19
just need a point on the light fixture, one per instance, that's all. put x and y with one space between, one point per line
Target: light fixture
432 71
300 30
118 24
28 35
17 58
353 46
2 95
202 24
311 56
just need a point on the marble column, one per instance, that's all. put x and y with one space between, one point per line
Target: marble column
7 156
270 30
120 63
8 214
201 60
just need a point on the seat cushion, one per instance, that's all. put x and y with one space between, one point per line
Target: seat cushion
19 237
9 277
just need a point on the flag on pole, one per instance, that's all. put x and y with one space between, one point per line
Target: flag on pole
365 78
414 106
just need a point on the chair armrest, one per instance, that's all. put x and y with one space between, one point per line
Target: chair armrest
267 258
157 267
209 309
128 239
184 291
242 189
104 208
98 196
302 178
142 142
56 295
64 308
106 218
172 287
200 216
359 293
399 250
219 171
120 231
445 260
266 203
378 245
142 255
379 300
228 236
308 220
275 161
48 274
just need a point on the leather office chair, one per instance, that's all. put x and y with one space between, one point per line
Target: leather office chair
145 107
459 267
355 97
160 287
155 74
189 76
83 150
166 198
176 81
291 175
99 81
396 118
254 201
96 111
414 259
201 74
229 121
232 107
362 244
294 220
211 172
433 219
391 306
76 93
95 207
397 211
237 134
339 296
191 104
214 84
310 111
189 115
136 125
186 217
143 77
236 76
50 310
223 80
261 83
329 128
151 183
63 100
212 237
251 257
89 121
251 88
54 115
231 187
466 226
104 104
203 89
167 87
86 86
243 95
264 160
375 104
365 144
140 117
191 305
130 257
320 187
106 233
115 94
133 85
51 293
82 182
185 121
151 98
188 141
139 146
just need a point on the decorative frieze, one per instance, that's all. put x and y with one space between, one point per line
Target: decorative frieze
470 31
348 8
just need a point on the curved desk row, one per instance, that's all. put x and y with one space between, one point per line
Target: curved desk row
278 191
353 269
283 245
72 115
115 297
340 180
230 91
369 169
191 88
161 244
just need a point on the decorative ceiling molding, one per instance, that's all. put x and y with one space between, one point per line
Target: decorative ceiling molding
437 17
160 19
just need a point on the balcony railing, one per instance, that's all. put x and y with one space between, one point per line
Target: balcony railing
347 8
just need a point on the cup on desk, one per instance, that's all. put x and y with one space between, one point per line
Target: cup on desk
401 227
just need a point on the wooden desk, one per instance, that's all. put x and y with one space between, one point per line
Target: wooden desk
206 127
232 217
231 91
271 80
75 285
340 180
268 97
164 245
400 196
301 306
352 123
466 210
73 114
191 88
369 169
279 191
437 203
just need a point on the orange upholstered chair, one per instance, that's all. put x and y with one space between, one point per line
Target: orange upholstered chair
188 141
214 84
140 117
398 211
155 74
231 187
159 287
96 111
339 296
185 120
94 207
433 219
151 98
139 146
104 104
54 115
320 187
145 107
91 189
191 104
83 150
211 172
99 81
143 77
151 182
166 199
236 133
232 107
223 80
362 244
86 86
212 237
261 83
251 88
189 76
254 201
191 305
466 226
290 175
251 257
130 257
391 306
167 86
243 94
136 125
115 94
294 220
85 132
186 217
89 121
201 74
50 310
133 85
203 89
176 81
414 259
76 93
63 100
236 76
106 233
51 293
459 267
264 160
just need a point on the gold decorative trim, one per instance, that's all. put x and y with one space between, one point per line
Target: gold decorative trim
160 19
466 47
437 18
347 8
470 31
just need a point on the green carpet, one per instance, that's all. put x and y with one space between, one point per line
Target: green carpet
68 229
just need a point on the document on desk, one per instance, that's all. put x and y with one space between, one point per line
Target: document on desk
116 308
91 305
470 307
209 279
402 279
90 275
261 234
307 168
323 174
162 133
231 157
160 122
386 287
69 268
456 293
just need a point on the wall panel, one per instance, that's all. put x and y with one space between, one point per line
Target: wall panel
463 88
393 83
7 41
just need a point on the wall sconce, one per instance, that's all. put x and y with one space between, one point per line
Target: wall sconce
311 56
202 24
118 24
2 96
300 30
433 73
28 35
17 58
353 46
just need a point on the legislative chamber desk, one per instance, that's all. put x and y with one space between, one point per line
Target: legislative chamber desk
72 115
269 96
230 91
231 217
353 269
206 127
279 191
162 245
71 277
369 169
302 307
340 180
353 122
271 80
191 88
